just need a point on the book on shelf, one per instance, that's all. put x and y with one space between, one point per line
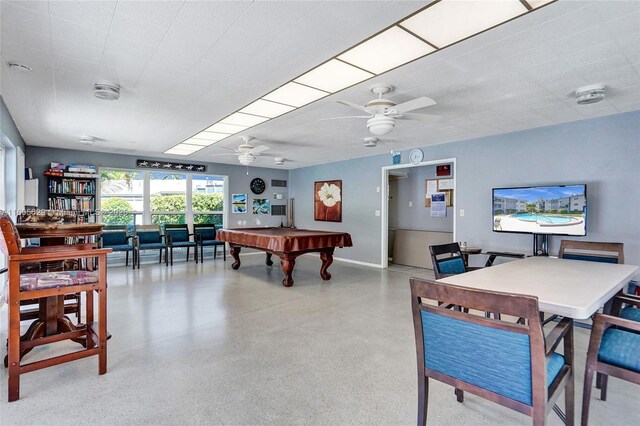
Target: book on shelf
81 168
81 175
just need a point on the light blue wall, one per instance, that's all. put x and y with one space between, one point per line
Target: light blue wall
8 127
38 158
604 153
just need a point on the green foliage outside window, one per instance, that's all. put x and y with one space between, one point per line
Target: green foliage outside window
118 207
177 203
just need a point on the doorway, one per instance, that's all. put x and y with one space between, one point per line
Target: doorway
406 211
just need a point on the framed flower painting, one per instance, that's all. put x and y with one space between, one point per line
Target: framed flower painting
328 201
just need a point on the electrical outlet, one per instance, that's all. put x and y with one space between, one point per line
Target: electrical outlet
461 212
377 212
377 189
410 203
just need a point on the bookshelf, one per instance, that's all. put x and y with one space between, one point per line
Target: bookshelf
72 192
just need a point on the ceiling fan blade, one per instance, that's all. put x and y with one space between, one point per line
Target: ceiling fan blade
348 116
425 118
353 105
414 104
258 149
216 155
230 149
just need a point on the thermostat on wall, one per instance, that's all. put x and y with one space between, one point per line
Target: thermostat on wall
278 196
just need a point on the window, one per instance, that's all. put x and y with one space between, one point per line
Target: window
121 197
207 199
170 198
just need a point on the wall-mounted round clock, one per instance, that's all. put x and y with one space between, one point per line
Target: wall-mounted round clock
257 186
416 156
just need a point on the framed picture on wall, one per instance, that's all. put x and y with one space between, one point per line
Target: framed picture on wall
261 206
327 201
239 203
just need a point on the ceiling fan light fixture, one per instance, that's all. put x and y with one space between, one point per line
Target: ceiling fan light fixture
380 125
246 158
106 90
590 94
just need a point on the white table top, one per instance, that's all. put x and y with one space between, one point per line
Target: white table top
570 288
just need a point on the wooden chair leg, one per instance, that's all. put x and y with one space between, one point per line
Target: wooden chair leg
171 255
224 252
160 259
586 392
423 400
603 387
569 401
13 351
215 252
459 395
102 331
126 258
166 255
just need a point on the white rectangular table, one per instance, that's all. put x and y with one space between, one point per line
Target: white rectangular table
571 288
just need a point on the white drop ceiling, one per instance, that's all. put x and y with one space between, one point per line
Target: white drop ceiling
184 65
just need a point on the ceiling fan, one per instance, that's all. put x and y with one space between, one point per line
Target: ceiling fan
383 113
246 151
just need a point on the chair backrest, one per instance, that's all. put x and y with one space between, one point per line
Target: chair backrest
178 232
10 239
447 259
206 231
500 359
114 235
592 251
148 234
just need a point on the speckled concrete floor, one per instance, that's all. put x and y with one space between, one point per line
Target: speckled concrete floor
205 344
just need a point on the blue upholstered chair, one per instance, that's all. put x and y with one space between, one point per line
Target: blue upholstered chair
117 238
614 350
511 364
447 260
206 236
177 235
149 237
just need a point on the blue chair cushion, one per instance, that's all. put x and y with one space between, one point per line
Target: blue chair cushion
212 243
183 244
151 246
120 247
490 358
455 265
631 313
114 238
206 233
149 237
589 258
620 348
178 235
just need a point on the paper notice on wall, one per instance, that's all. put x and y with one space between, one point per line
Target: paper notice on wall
438 205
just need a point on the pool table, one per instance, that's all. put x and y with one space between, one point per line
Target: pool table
286 243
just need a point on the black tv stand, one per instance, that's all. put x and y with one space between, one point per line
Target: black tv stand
540 245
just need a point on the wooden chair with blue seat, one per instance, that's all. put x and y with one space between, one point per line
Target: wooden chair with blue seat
177 235
117 238
205 234
614 350
447 260
511 364
149 237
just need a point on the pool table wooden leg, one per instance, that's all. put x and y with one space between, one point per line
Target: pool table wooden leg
269 262
235 253
327 260
287 262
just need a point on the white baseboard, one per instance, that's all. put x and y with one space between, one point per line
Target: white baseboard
355 262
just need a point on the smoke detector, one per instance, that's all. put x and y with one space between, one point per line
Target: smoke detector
279 161
106 90
87 140
589 94
371 142
14 66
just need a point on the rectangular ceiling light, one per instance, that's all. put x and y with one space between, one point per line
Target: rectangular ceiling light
333 75
267 108
210 136
449 21
229 129
387 50
200 142
295 94
181 149
240 119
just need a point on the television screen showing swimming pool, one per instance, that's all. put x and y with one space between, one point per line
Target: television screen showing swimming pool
556 210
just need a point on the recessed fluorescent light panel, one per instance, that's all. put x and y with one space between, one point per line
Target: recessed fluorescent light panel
266 108
448 21
182 149
229 129
333 76
240 119
210 136
295 94
437 25
387 50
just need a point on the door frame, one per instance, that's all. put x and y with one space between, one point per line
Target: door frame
384 201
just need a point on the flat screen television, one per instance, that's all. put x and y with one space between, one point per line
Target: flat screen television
547 210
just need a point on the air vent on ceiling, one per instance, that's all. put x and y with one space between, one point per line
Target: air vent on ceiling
106 90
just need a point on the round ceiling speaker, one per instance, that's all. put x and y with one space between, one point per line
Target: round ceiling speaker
279 161
106 90
589 94
371 142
